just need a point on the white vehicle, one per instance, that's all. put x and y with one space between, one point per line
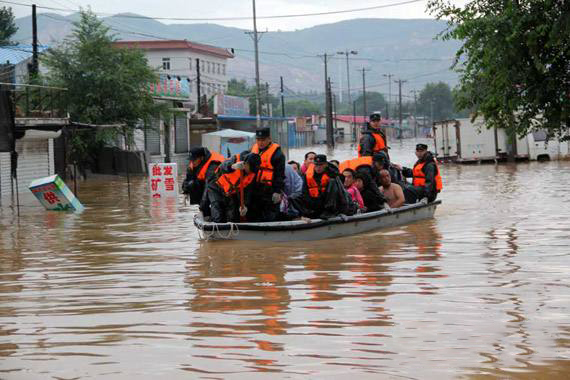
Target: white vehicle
461 140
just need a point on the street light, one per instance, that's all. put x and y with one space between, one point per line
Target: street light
347 54
389 76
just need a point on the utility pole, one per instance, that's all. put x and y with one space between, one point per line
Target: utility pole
330 129
389 76
349 96
364 89
256 37
198 85
334 111
35 67
400 81
415 92
354 120
267 99
282 99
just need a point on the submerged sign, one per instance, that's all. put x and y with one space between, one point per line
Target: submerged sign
175 87
162 180
54 194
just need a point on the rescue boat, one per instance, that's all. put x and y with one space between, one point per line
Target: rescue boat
316 229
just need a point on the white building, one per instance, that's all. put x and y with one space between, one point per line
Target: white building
179 58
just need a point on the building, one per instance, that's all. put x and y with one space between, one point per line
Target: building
14 62
179 58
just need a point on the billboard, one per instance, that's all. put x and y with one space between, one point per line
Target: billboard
175 87
231 105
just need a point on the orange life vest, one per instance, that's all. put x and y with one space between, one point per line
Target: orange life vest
265 172
314 189
214 157
355 163
230 182
420 177
378 147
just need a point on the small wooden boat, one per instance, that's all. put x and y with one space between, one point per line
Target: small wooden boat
316 229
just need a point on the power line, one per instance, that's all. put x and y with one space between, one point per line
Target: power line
234 18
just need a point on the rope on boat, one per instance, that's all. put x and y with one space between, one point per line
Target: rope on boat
216 233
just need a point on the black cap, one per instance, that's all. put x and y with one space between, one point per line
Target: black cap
254 161
375 116
380 156
320 159
262 133
197 152
421 147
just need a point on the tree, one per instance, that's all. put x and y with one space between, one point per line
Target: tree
440 95
105 85
514 64
242 89
375 101
301 107
7 25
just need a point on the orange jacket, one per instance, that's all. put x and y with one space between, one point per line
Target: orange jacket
265 172
214 157
355 163
314 189
378 147
420 177
230 182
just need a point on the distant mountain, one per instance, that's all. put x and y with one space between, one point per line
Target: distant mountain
405 48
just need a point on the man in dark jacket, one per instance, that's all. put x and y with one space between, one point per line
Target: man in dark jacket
201 168
324 195
426 181
382 161
224 193
371 195
373 139
270 177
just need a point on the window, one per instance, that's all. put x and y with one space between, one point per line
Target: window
539 135
218 66
166 63
180 133
224 69
203 66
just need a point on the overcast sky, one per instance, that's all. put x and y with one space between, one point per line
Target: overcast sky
239 8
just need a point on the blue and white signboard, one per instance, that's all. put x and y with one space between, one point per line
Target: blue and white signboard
231 105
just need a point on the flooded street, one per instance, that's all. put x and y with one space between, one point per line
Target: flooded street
126 290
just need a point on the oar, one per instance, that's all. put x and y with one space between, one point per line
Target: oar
241 197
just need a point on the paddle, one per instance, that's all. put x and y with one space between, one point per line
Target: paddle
241 196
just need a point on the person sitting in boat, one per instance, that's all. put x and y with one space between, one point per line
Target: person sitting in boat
361 165
348 175
295 165
293 190
335 163
309 159
270 177
392 191
224 191
382 161
323 193
426 181
373 139
373 199
201 168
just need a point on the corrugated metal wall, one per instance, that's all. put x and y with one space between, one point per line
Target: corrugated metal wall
180 133
35 161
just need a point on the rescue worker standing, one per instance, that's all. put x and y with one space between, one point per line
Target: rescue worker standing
373 139
224 191
270 178
201 168
426 181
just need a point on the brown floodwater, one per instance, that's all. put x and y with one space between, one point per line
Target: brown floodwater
126 290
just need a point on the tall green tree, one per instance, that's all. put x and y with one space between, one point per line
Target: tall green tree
240 88
7 25
436 97
105 84
375 101
514 64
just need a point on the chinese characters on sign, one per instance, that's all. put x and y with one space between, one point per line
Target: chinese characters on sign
54 194
163 180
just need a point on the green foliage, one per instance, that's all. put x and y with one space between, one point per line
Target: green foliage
7 25
106 85
241 88
301 107
375 101
514 62
441 96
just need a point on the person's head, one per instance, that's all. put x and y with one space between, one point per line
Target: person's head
263 137
359 180
348 175
380 159
252 161
421 150
320 163
375 120
385 179
335 163
310 157
295 165
196 156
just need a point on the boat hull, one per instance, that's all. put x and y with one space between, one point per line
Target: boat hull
316 229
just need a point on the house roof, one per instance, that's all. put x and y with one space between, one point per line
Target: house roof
175 45
15 54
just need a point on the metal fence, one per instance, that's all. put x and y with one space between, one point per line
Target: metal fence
39 102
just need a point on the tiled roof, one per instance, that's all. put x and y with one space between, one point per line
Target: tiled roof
176 44
17 53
